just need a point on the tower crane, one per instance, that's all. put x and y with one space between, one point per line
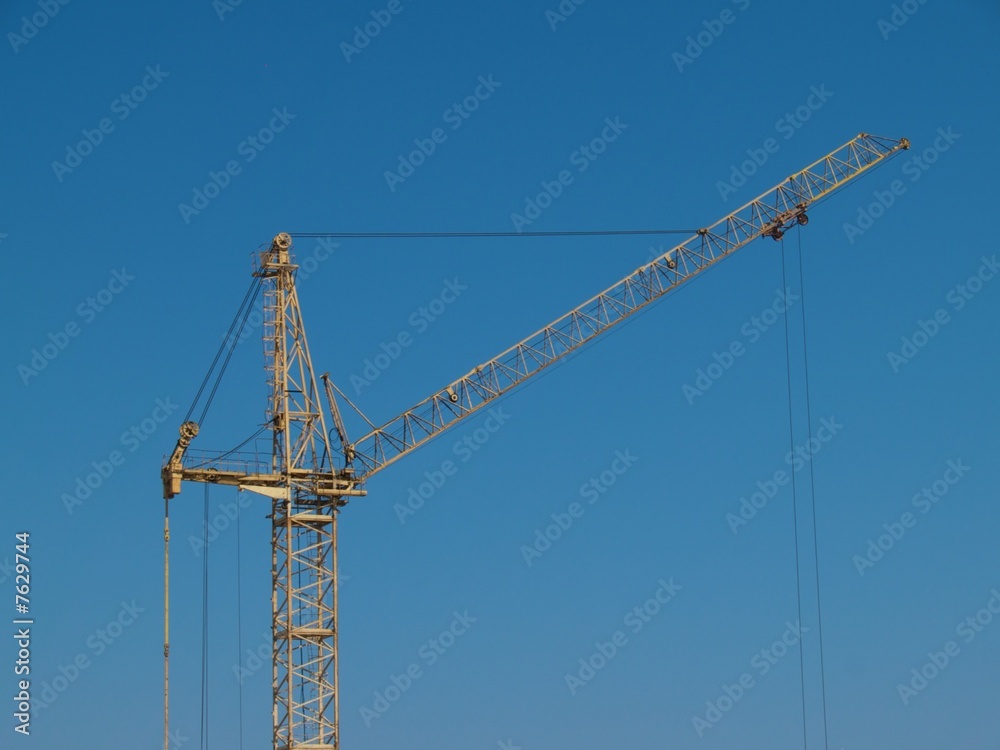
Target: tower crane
311 472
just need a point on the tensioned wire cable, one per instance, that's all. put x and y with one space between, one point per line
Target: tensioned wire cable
204 633
231 339
239 610
812 492
795 508
449 235
590 233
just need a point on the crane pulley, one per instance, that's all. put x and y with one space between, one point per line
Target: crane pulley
307 487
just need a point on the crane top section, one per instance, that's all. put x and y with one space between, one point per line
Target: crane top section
769 215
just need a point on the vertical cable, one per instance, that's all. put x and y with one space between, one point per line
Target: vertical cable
812 491
204 632
239 612
166 624
795 509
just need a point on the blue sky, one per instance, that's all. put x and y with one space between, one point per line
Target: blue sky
148 152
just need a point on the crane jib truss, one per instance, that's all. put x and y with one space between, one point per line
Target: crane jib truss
767 215
307 486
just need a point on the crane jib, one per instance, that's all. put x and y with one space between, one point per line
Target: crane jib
768 215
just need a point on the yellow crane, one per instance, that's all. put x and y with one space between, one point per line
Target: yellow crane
312 472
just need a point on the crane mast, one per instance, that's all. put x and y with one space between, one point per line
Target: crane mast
306 486
303 522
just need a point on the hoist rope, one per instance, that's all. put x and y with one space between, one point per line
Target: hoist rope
239 613
204 632
166 625
795 505
812 493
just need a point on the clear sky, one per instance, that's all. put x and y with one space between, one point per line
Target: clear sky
148 152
